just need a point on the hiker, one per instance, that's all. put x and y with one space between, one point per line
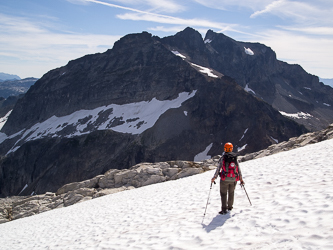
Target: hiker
230 173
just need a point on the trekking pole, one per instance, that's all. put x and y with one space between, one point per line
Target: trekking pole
242 185
207 200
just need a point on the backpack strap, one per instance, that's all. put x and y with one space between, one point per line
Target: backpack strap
226 167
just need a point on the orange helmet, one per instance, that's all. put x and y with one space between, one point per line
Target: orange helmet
228 147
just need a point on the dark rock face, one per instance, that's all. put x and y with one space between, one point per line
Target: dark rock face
8 104
137 102
136 69
49 163
288 88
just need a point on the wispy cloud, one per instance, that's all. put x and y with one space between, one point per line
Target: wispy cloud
322 31
172 20
312 53
227 4
139 15
304 34
159 6
269 8
175 29
23 40
303 13
165 5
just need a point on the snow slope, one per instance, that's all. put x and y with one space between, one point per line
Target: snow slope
292 199
4 119
132 118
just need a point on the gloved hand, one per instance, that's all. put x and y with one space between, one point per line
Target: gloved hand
242 182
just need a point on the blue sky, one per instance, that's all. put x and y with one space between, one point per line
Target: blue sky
39 35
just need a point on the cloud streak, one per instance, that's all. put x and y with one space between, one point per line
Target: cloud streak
160 5
303 13
312 53
24 41
269 8
299 28
139 15
172 20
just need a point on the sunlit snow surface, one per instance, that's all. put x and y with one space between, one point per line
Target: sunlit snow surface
248 51
241 148
204 154
244 134
4 119
299 115
133 118
247 89
205 70
292 208
178 54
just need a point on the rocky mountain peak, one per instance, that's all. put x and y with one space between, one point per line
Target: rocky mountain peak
133 40
189 42
147 99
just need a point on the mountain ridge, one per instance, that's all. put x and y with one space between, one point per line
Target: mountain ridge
72 124
5 76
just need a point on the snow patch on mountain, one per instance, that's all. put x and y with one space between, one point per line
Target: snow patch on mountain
4 119
247 89
204 154
248 51
133 118
244 134
178 54
276 140
207 41
26 185
299 115
241 148
205 70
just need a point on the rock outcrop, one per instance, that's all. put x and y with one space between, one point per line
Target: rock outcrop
292 143
113 181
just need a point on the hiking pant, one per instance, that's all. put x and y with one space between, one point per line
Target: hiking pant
227 188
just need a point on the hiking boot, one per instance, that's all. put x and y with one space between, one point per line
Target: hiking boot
223 212
229 209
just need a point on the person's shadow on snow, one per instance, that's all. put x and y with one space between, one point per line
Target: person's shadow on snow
217 221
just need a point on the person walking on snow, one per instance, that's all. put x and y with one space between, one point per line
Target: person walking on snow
229 171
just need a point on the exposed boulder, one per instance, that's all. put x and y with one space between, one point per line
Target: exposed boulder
92 183
111 182
292 143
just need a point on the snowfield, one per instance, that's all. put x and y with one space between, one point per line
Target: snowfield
292 199
4 119
132 118
299 115
205 70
